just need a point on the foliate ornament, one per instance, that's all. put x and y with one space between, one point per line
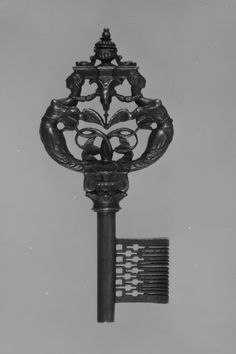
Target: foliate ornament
100 142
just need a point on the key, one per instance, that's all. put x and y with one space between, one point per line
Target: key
128 270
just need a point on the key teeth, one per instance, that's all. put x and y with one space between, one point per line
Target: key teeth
145 279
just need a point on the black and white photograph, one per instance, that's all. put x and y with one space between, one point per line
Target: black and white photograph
118 172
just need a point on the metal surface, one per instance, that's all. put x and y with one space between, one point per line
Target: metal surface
142 273
106 177
106 259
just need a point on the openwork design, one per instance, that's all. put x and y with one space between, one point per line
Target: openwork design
142 270
98 147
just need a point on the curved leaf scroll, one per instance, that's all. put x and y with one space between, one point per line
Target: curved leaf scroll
98 146
53 138
160 137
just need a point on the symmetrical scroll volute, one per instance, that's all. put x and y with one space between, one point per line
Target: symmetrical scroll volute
106 178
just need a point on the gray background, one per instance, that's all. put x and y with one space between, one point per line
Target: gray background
186 51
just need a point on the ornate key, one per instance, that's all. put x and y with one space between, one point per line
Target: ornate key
129 270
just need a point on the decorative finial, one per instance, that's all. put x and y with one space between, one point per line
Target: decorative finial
106 35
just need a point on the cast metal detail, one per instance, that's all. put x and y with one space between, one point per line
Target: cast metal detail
64 115
107 144
142 273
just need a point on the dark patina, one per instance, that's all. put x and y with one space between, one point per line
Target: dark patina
128 270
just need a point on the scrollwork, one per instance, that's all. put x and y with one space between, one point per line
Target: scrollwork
53 137
99 146
91 116
154 113
160 136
